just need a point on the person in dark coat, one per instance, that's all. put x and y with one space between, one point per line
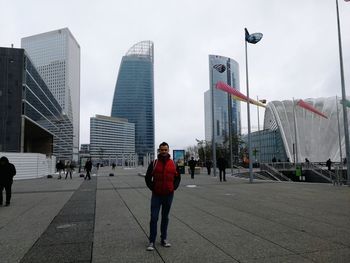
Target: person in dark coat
329 164
222 164
60 168
7 172
192 164
208 164
88 168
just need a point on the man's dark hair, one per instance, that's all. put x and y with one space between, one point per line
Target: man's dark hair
163 144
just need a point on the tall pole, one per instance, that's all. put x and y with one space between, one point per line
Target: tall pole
229 104
248 113
295 134
257 107
345 113
213 121
340 151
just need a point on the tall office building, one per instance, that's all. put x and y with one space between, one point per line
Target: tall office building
31 119
56 55
134 95
222 101
111 137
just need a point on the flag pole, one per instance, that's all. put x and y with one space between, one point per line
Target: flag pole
345 112
340 151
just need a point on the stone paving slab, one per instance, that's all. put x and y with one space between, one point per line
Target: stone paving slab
107 220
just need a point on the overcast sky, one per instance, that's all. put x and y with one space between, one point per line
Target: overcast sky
297 57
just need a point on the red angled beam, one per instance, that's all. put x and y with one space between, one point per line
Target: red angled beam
224 87
307 106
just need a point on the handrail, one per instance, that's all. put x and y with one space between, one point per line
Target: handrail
274 171
324 173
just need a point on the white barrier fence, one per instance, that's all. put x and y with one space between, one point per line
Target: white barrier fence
31 165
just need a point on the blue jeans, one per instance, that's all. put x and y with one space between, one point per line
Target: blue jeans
158 201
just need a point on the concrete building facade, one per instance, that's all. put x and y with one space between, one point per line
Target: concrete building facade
111 137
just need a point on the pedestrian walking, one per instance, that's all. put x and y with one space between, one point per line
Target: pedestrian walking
208 164
88 168
162 178
69 169
192 164
7 172
60 169
222 164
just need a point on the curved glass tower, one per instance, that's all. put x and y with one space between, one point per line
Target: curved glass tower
134 95
222 101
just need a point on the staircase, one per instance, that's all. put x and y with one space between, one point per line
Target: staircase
273 172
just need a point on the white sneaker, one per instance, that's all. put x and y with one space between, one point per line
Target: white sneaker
150 247
165 243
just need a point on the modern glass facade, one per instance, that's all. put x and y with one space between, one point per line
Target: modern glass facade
31 119
110 137
56 56
266 145
222 101
134 95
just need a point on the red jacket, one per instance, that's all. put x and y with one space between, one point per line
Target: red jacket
162 177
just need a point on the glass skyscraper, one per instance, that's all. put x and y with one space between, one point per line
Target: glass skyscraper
222 101
56 55
134 95
31 119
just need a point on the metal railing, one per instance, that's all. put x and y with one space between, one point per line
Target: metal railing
326 174
273 171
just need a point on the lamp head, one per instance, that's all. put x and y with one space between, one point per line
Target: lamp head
252 38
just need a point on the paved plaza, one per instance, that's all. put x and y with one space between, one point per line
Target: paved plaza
106 219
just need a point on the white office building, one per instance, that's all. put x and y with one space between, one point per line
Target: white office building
111 138
56 55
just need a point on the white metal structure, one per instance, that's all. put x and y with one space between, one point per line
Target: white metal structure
317 137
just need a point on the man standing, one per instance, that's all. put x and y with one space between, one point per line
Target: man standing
162 178
222 164
7 172
192 164
329 164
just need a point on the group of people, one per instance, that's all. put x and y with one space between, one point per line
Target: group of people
221 164
67 168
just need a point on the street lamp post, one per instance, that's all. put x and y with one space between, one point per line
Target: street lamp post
252 39
345 113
